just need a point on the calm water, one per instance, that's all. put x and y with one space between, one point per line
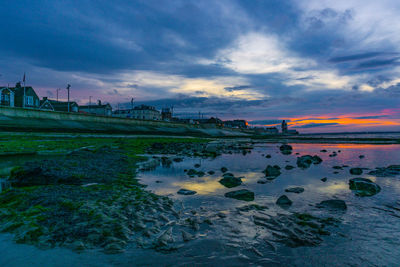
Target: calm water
369 234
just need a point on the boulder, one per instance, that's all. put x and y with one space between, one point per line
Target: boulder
283 201
324 179
364 187
356 171
296 190
332 204
230 181
289 167
305 162
224 169
272 171
389 171
242 194
211 172
268 156
286 149
186 192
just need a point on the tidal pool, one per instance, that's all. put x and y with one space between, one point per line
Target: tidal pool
368 233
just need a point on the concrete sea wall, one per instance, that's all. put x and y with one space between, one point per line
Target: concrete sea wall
20 119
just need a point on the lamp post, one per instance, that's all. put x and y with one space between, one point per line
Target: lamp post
58 89
68 87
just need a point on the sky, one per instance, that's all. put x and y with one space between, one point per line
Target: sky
324 66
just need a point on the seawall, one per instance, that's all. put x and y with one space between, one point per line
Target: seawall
20 119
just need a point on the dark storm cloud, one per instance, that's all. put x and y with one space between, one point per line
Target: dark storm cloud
237 88
354 57
378 63
370 117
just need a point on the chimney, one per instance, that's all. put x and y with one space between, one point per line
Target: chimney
99 102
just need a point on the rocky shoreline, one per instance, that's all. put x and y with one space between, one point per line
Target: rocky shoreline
89 198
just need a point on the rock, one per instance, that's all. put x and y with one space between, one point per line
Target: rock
296 190
165 238
333 204
361 156
262 181
230 181
272 171
283 201
191 172
200 174
305 162
186 192
289 167
197 165
268 156
113 248
323 151
364 187
389 171
242 194
158 182
186 236
286 149
324 179
338 167
356 171
211 172
178 159
224 169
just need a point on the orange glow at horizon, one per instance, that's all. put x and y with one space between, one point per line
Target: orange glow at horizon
351 120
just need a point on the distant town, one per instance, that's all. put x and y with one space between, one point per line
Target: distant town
22 96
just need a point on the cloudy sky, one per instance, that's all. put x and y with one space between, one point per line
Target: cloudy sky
326 66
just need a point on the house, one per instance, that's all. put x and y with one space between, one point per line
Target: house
14 96
99 109
54 105
144 112
123 113
236 124
166 114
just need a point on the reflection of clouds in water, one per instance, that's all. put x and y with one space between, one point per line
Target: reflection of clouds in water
331 189
203 186
208 185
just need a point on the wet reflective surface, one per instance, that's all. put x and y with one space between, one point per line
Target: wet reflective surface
368 233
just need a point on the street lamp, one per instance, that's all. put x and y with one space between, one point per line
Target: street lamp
68 87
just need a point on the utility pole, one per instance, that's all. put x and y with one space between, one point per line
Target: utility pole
90 103
58 89
24 102
68 87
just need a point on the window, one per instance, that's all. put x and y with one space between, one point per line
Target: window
29 100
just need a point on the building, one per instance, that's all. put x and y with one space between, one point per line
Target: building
99 109
166 114
123 113
144 112
54 105
14 96
284 127
242 124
